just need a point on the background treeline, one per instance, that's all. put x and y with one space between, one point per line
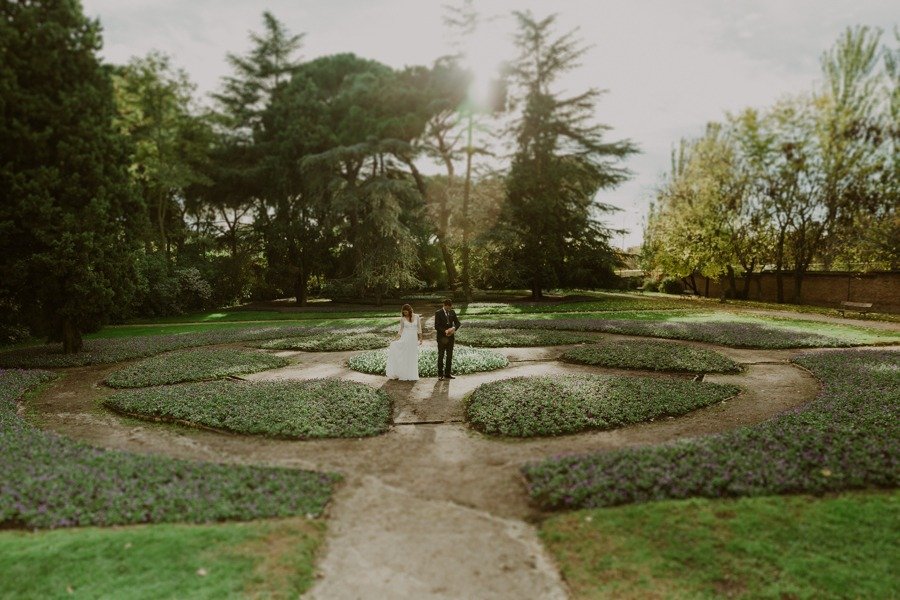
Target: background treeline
123 195
811 182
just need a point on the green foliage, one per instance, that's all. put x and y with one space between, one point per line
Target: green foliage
193 365
769 547
847 438
68 214
560 163
533 406
652 355
272 558
49 481
323 408
332 342
671 285
465 361
508 338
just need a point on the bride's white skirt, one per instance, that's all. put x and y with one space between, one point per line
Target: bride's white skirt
403 357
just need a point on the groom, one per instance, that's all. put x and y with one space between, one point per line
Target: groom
446 323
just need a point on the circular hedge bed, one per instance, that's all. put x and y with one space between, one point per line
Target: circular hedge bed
510 338
465 361
319 408
652 355
332 342
556 405
193 365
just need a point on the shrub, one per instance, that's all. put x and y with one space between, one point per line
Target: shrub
465 361
531 406
652 355
849 437
671 285
291 409
193 365
49 481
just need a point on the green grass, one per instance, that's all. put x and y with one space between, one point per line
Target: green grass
195 364
237 316
321 408
557 405
118 331
764 547
511 338
651 355
465 361
271 559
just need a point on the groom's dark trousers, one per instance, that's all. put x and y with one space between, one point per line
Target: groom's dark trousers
442 322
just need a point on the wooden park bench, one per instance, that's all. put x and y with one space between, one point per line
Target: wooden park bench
860 307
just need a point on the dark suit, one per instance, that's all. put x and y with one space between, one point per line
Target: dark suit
442 322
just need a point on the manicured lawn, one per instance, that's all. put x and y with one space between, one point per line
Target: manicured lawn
848 438
510 338
333 341
237 316
319 408
533 406
465 361
651 355
728 329
271 559
297 325
842 546
195 364
49 481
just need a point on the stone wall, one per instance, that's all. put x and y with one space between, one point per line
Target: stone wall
881 288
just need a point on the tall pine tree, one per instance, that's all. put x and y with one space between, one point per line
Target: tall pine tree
67 209
560 163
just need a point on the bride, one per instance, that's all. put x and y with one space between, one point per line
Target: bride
403 353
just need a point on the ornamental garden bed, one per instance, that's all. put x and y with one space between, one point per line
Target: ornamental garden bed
651 355
725 330
511 338
332 341
544 406
465 361
321 408
193 365
848 438
48 481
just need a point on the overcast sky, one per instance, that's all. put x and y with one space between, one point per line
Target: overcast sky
669 67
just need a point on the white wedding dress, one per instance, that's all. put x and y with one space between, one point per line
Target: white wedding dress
403 354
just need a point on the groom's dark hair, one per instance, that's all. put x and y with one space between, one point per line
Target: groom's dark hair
448 302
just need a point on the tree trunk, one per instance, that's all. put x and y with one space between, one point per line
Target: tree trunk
71 337
536 293
301 287
467 187
706 288
732 282
779 264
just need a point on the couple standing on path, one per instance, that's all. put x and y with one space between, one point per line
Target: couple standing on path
403 353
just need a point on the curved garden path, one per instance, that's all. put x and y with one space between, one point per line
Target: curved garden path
431 509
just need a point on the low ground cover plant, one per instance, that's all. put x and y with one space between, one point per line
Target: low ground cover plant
332 341
321 408
848 438
510 338
119 349
194 364
48 481
651 355
465 360
534 406
723 329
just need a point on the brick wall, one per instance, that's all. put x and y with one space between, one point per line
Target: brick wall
881 288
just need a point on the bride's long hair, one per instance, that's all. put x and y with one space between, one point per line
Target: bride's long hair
407 307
